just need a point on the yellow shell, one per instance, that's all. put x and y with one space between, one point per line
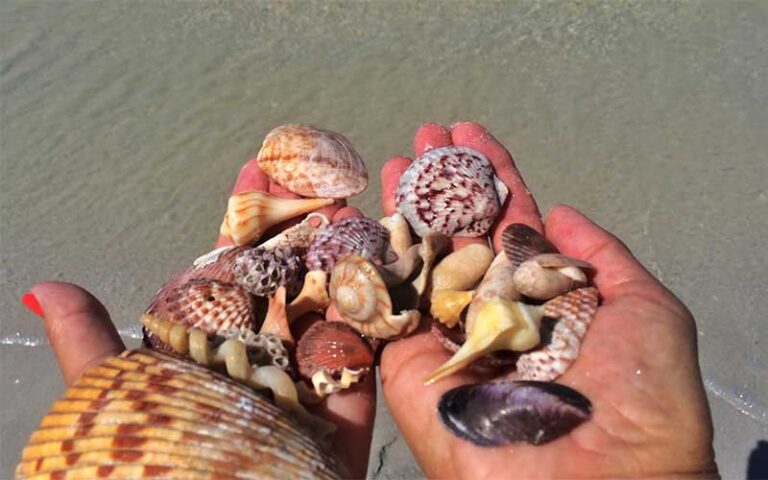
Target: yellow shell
362 300
144 413
312 162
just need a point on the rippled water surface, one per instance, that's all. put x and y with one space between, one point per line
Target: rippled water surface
124 125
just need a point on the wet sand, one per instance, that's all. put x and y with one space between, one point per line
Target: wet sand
124 125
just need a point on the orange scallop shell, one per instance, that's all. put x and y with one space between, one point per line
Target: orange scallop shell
146 414
312 162
333 346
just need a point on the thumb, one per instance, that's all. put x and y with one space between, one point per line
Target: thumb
78 327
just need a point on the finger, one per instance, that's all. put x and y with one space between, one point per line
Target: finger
351 410
429 136
347 212
391 172
78 327
617 271
520 207
251 177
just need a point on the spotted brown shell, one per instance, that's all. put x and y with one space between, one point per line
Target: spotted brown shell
359 235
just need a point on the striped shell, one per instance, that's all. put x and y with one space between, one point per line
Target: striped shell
146 414
522 242
312 162
210 305
359 235
569 318
362 300
451 190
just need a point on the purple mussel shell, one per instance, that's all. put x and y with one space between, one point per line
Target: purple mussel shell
499 413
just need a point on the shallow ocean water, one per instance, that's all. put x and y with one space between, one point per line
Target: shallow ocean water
123 125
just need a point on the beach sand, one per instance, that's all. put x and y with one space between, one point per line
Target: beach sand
124 125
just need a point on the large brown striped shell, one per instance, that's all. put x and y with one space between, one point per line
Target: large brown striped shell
312 162
146 414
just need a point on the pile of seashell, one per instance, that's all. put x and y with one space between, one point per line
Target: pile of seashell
235 309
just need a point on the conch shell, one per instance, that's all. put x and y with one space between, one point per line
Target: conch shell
447 305
250 214
312 162
361 298
144 413
313 296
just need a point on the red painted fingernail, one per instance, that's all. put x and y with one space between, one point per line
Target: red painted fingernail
31 303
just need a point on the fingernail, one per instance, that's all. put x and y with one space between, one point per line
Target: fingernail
31 303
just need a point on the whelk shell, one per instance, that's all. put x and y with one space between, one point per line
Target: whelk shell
312 162
337 352
250 214
359 235
499 413
451 190
143 413
361 298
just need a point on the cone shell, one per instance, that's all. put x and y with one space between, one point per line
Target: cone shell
450 190
452 338
210 305
250 214
566 321
146 414
359 235
312 162
332 346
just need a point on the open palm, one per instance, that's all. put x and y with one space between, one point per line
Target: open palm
638 364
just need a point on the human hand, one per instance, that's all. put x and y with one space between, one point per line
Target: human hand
638 364
82 335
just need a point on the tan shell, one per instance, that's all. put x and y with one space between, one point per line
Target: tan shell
362 300
546 276
462 269
250 214
312 162
144 413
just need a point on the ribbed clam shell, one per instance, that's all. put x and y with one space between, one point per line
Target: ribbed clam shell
499 413
312 162
450 190
566 320
521 242
332 346
261 271
359 235
146 414
210 305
